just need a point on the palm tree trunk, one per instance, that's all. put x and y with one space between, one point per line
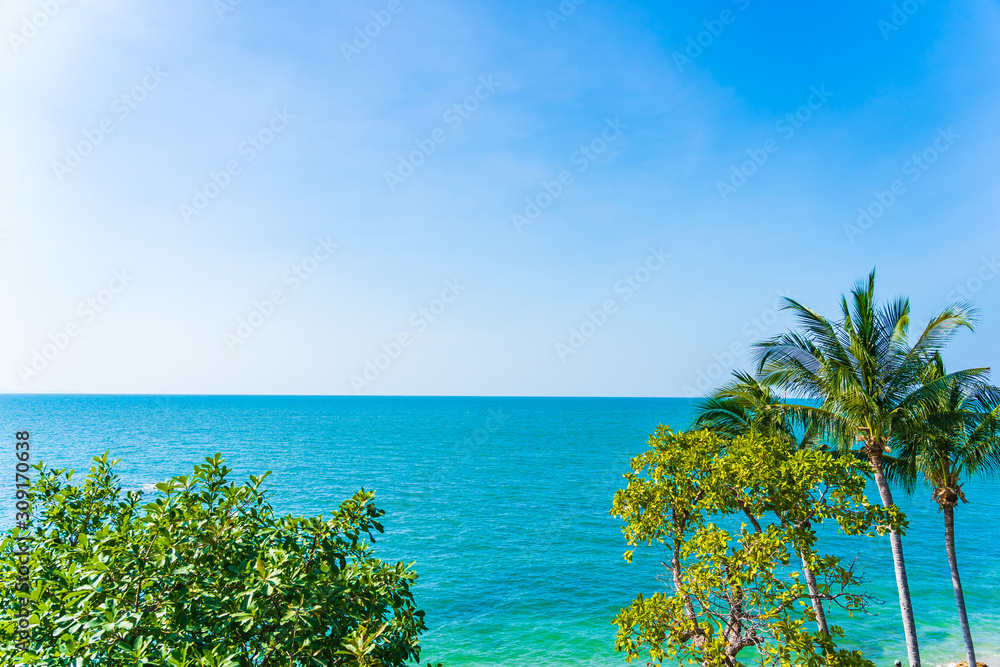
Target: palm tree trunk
817 603
956 583
902 585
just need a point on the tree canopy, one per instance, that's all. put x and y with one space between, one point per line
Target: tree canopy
203 574
738 593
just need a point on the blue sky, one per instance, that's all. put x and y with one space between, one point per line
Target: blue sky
235 228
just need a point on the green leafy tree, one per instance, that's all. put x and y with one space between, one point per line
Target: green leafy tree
872 383
745 406
958 439
735 592
205 574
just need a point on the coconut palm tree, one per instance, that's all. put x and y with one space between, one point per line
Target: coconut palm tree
745 406
871 382
958 439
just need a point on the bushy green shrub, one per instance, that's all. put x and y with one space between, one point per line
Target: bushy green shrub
205 573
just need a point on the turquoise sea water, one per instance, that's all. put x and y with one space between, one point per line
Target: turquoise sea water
502 503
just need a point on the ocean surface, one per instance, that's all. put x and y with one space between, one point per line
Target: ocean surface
503 504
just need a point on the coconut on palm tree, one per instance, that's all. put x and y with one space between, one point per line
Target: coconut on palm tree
871 382
959 438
